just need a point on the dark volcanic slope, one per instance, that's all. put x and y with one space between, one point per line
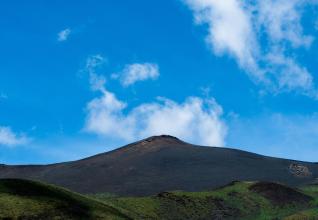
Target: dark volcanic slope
164 163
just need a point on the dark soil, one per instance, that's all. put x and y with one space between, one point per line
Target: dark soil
280 195
185 207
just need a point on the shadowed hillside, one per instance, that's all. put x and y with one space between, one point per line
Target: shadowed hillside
23 199
165 163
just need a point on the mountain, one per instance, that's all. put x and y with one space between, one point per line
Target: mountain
165 163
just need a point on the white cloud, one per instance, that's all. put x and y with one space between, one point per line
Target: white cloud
64 34
133 73
263 36
9 138
230 29
284 22
288 73
196 120
96 81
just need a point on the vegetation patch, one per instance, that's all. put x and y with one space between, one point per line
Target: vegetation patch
23 199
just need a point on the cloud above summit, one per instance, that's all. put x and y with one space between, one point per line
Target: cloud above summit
135 72
197 120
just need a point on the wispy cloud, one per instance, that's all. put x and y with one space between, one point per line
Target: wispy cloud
133 73
10 138
263 36
63 35
93 62
282 21
195 120
3 96
229 30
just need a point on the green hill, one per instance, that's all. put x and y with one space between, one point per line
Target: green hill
24 199
240 200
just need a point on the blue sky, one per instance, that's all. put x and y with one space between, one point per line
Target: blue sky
84 77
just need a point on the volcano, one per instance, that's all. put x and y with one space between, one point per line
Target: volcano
165 163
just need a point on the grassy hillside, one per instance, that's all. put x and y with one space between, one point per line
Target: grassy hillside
23 199
240 200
